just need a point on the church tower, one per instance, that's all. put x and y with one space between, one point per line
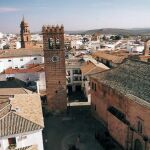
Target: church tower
25 35
53 46
147 47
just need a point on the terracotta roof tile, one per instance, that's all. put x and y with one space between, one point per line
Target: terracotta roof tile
110 57
96 70
89 68
21 53
21 114
130 78
11 91
29 107
31 69
12 123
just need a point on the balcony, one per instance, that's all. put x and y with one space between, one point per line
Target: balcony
77 74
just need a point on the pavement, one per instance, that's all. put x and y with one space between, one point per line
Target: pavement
75 129
77 96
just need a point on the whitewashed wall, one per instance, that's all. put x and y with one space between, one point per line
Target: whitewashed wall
24 140
22 76
16 62
41 84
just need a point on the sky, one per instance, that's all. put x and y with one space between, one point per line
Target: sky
74 14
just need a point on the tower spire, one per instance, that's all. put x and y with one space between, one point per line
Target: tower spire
25 34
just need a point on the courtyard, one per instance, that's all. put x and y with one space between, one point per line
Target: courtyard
75 130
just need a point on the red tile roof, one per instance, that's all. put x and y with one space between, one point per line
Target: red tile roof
89 68
10 53
110 57
31 69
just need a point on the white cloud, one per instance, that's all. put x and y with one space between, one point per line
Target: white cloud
8 9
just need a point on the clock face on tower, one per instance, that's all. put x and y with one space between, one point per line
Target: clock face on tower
55 59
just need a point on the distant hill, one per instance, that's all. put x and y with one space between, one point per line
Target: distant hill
134 31
75 32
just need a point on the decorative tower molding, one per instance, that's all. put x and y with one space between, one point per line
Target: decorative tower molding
25 35
54 55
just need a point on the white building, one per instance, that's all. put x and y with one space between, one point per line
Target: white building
21 119
18 45
2 43
76 44
36 37
1 35
135 48
20 58
32 73
94 45
41 83
73 74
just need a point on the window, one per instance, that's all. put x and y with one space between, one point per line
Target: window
95 87
22 67
12 141
35 58
117 113
16 67
57 43
140 123
9 60
21 59
75 71
84 78
50 43
75 79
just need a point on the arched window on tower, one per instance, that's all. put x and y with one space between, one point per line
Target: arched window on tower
57 43
27 38
50 43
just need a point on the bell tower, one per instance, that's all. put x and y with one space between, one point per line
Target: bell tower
147 47
25 35
55 72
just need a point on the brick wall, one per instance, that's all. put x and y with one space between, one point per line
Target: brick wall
135 112
99 101
117 129
104 97
55 72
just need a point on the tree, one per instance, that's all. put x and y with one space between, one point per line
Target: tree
6 46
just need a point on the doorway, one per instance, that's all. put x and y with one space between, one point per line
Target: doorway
138 145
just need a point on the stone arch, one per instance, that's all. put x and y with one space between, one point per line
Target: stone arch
138 145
